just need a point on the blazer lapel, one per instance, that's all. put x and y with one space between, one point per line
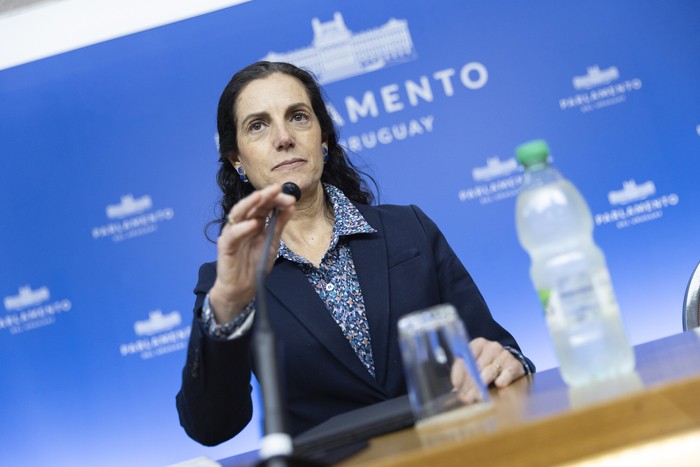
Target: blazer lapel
289 285
369 254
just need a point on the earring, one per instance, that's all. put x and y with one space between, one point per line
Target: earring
242 175
325 154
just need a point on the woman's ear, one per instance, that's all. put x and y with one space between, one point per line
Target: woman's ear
234 162
238 167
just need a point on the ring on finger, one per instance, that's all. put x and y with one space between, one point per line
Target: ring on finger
231 220
497 366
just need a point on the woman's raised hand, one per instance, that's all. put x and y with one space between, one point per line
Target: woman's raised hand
240 248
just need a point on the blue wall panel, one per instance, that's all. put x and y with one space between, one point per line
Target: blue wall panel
96 302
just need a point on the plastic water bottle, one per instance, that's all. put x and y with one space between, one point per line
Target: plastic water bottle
569 272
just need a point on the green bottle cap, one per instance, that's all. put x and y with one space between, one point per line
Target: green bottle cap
532 152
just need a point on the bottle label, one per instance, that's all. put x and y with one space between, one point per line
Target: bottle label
578 298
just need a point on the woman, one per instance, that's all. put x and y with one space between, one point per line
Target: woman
341 271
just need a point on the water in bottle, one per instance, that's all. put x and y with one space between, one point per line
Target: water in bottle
569 272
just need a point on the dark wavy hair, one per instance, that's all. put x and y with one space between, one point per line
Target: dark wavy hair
339 171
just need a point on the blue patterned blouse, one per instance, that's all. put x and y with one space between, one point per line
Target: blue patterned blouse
335 280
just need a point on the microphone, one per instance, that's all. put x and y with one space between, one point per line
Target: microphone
276 445
288 188
293 189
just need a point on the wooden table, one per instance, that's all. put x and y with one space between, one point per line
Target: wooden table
539 421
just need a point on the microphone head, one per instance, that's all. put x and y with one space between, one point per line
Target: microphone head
293 189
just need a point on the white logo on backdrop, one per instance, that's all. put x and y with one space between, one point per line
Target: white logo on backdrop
157 322
129 206
602 88
28 309
337 53
632 192
596 77
26 297
496 181
133 217
160 335
635 205
494 168
397 97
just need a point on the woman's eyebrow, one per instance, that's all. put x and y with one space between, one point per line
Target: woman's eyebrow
253 116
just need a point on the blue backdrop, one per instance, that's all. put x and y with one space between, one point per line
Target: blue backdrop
109 155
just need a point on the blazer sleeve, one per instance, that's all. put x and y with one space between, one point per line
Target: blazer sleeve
458 288
214 401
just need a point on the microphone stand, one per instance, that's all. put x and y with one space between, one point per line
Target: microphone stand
276 447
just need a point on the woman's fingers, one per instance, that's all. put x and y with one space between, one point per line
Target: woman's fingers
242 239
259 204
485 351
511 371
458 373
247 219
496 364
463 384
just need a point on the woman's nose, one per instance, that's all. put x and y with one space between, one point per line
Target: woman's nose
283 137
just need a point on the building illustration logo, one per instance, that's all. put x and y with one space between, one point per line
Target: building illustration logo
599 88
158 335
31 309
129 206
632 192
130 218
336 53
596 77
494 168
26 298
157 322
635 204
496 181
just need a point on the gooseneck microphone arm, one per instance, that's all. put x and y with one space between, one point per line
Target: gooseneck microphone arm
276 445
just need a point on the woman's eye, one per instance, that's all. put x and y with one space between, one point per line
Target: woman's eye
300 117
255 126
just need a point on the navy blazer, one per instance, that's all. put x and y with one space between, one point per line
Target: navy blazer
405 266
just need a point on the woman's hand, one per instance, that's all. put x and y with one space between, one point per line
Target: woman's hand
468 391
496 364
240 248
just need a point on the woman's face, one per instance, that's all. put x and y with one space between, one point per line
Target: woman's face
278 135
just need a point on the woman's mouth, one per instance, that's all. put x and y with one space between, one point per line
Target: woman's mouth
289 164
